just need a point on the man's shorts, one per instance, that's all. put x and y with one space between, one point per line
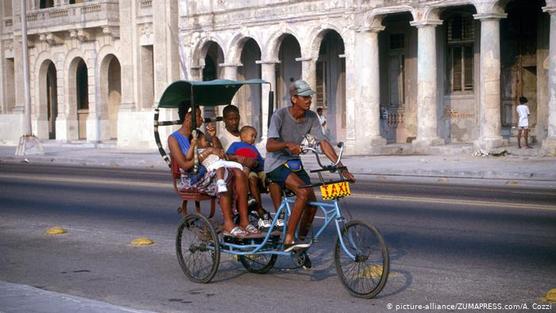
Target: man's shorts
523 127
281 173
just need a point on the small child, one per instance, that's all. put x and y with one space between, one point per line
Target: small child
210 160
256 175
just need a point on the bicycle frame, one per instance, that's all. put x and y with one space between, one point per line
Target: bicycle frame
330 209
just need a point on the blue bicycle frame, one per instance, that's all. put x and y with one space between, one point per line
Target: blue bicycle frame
330 209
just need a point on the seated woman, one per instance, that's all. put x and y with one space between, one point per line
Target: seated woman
205 181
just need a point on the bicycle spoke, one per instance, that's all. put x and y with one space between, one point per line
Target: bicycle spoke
366 275
197 248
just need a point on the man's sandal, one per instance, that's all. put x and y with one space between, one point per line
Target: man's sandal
296 246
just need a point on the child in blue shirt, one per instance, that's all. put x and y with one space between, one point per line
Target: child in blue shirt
256 175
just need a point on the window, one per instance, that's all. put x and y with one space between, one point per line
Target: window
82 86
460 53
46 4
396 70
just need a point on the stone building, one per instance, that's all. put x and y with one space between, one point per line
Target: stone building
414 72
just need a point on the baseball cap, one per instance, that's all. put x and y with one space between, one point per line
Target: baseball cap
301 88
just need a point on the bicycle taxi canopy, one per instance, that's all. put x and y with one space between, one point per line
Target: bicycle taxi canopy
202 93
185 94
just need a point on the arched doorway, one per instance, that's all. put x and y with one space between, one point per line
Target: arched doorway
82 98
211 70
331 82
111 94
213 58
289 70
250 95
51 100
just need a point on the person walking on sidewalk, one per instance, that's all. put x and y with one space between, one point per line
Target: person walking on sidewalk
523 122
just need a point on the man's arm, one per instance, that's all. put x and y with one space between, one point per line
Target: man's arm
274 144
330 153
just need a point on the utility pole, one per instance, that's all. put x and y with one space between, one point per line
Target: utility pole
28 143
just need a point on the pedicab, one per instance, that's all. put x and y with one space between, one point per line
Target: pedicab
361 256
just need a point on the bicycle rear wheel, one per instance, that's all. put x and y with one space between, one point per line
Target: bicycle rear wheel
258 263
197 248
366 275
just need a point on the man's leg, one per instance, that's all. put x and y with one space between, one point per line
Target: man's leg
307 217
302 195
519 138
275 194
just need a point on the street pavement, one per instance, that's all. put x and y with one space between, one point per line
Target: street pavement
448 165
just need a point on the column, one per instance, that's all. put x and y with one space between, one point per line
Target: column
93 119
427 102
549 144
489 82
229 71
268 73
18 75
309 74
165 47
3 103
127 58
367 92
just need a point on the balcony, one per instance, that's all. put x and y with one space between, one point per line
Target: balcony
94 14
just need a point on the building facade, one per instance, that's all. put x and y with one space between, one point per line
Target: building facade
416 72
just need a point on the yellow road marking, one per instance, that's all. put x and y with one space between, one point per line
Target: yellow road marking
359 195
551 296
141 241
56 230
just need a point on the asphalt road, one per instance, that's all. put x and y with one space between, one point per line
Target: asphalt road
449 244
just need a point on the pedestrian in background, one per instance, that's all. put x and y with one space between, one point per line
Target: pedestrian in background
322 120
523 122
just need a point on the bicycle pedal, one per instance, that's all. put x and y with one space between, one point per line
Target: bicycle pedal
301 259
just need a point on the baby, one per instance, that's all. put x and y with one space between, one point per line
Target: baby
211 160
246 148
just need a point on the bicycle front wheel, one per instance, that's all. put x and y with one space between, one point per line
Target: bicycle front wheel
365 275
197 248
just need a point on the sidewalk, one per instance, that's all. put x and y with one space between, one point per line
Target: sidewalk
445 163
17 298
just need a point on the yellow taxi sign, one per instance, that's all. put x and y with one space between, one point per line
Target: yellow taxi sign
335 190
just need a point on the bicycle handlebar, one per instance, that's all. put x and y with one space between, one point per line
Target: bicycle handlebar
331 167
